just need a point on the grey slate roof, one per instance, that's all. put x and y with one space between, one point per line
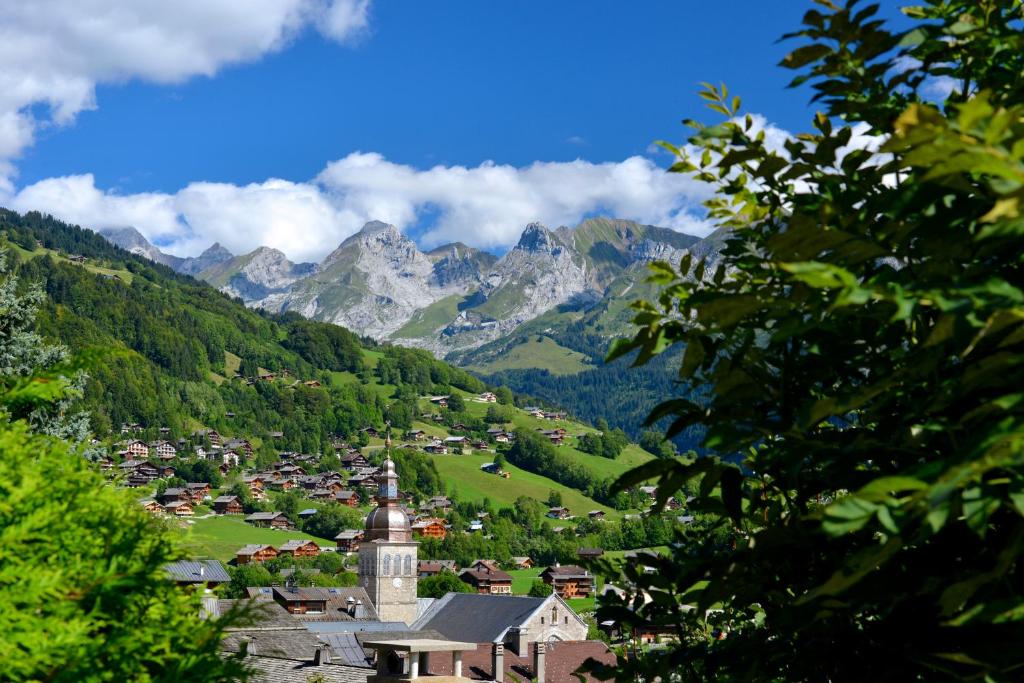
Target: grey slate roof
198 571
475 618
272 670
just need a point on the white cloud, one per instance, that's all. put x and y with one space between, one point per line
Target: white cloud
485 206
53 53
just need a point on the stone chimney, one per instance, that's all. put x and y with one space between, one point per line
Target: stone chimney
498 662
538 661
322 655
519 640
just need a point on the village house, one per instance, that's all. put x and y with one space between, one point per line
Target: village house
349 498
140 473
354 460
348 540
132 428
569 581
135 448
596 515
311 383
438 504
321 494
255 553
240 446
174 493
440 401
488 581
431 527
164 450
299 548
179 508
488 397
428 568
227 505
370 431
589 553
436 447
273 520
203 434
198 491
229 459
522 563
302 600
416 434
558 512
150 505
208 573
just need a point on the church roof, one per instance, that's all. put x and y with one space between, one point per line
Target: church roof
477 618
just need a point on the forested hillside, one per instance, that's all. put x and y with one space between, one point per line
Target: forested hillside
169 348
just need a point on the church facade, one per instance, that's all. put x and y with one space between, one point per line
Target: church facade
387 555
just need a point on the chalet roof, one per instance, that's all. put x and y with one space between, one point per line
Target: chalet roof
345 495
567 571
198 485
475 617
197 571
224 499
488 575
281 670
263 516
348 535
176 491
252 549
295 544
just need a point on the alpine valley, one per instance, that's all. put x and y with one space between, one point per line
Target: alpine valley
538 319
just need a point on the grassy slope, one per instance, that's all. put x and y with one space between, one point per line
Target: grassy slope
427 321
220 537
90 266
545 354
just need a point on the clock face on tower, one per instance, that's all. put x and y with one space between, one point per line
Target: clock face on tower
397 583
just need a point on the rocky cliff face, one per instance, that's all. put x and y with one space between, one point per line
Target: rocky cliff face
452 298
132 240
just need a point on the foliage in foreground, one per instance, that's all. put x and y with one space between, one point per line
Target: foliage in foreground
862 341
83 596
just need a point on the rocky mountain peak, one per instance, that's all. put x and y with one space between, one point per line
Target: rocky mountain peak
216 251
536 238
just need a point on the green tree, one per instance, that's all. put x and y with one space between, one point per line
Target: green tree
329 520
504 395
539 589
860 348
439 585
456 403
86 596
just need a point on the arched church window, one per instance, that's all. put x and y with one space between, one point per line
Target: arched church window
387 564
554 615
398 565
408 564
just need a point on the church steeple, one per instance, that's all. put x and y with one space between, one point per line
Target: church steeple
388 522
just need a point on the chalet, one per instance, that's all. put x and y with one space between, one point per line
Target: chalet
299 548
77 258
416 434
437 448
229 459
354 460
105 463
209 573
365 481
485 565
559 512
274 520
198 491
597 515
348 540
173 494
488 397
522 563
140 469
490 467
166 471
431 527
302 600
589 553
428 568
370 431
164 450
480 445
349 498
569 581
488 581
276 435
459 427
475 525
179 508
266 376
309 483
227 505
241 446
311 383
281 484
321 494
131 428
441 401
438 504
555 436
135 448
201 453
150 505
203 434
255 553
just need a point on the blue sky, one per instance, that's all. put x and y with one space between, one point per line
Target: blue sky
417 85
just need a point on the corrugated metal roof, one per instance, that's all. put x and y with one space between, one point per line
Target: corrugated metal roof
198 571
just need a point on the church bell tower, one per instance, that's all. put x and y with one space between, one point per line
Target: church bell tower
387 555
